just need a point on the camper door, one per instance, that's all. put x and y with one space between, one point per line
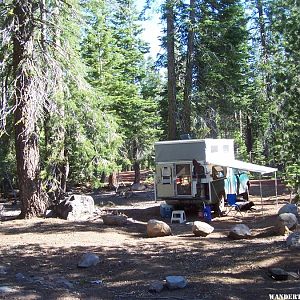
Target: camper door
184 179
165 183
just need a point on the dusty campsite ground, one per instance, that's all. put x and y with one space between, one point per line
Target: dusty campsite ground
39 257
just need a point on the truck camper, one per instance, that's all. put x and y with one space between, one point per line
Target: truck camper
191 172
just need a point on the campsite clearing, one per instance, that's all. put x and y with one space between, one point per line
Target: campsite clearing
39 256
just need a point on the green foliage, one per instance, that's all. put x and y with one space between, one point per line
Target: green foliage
114 53
286 90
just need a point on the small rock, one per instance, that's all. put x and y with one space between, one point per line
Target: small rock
278 274
21 277
7 290
202 228
88 260
49 213
176 282
98 281
3 270
288 220
157 228
138 187
289 208
239 231
293 240
114 220
156 287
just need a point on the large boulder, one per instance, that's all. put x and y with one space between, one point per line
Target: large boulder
75 208
114 220
201 228
157 228
289 208
293 240
239 231
285 222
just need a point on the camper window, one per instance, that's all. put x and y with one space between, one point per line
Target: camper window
214 149
225 148
166 175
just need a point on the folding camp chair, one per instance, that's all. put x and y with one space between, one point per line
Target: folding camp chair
232 204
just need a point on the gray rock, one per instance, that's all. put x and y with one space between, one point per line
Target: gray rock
284 220
3 270
202 228
21 277
176 282
138 187
49 213
7 290
156 287
75 208
293 240
88 260
157 228
239 231
289 208
278 274
114 220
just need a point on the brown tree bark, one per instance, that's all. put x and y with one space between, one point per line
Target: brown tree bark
136 162
137 172
189 72
171 71
26 136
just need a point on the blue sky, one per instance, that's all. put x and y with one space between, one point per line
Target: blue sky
152 27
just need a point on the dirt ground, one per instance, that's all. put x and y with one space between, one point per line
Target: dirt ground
39 257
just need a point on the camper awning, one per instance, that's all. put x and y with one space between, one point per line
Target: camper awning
241 165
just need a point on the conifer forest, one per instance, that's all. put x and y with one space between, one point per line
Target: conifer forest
82 99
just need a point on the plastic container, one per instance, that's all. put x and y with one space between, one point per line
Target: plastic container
207 214
166 210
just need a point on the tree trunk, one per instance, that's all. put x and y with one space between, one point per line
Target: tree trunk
264 47
249 137
171 71
112 181
136 162
26 136
137 172
189 72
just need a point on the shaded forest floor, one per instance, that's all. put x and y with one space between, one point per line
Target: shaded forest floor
39 257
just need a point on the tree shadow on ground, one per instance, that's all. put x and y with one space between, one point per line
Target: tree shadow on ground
237 270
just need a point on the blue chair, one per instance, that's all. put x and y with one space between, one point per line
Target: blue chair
232 204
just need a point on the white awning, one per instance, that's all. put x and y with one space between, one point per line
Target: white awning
241 165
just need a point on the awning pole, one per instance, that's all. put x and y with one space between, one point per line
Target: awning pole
155 195
261 199
276 189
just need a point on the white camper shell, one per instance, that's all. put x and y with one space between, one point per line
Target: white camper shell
186 174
